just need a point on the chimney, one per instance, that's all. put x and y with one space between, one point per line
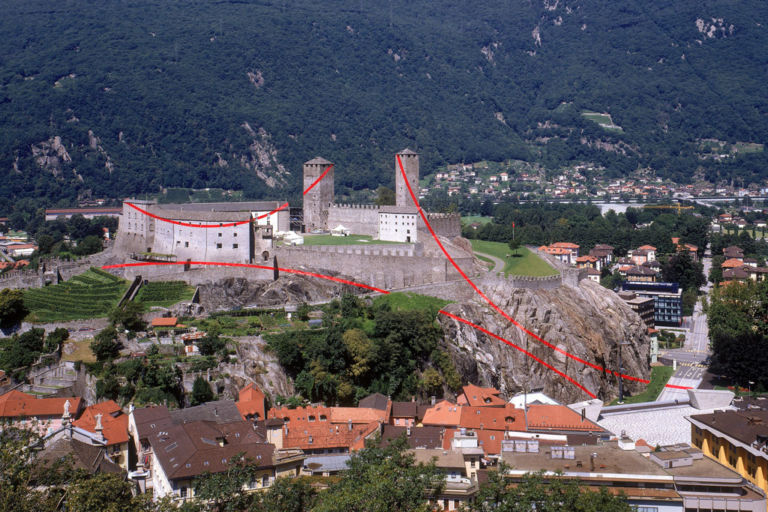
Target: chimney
408 431
215 411
349 424
432 400
583 412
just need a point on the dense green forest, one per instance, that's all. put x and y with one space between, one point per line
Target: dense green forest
112 98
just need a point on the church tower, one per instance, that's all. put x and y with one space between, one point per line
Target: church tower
317 200
410 160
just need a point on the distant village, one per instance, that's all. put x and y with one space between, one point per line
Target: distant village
584 181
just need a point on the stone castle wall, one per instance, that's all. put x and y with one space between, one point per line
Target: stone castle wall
361 219
380 266
443 224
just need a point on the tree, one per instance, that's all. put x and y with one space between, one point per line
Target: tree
514 245
91 244
45 243
432 381
12 309
211 344
382 479
128 317
201 392
105 344
385 196
54 340
226 491
102 492
288 495
680 268
534 492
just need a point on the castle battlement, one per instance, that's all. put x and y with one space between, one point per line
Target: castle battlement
358 250
355 206
431 216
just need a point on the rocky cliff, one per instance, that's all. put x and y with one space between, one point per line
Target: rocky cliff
288 289
586 320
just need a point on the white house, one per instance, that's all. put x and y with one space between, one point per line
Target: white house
398 223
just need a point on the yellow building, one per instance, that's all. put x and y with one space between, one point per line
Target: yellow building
736 439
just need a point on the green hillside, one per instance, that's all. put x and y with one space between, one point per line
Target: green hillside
116 98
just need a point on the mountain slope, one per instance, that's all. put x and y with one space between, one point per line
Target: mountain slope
236 94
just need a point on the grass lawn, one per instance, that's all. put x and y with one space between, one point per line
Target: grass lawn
78 351
527 264
659 377
469 219
343 240
604 120
406 301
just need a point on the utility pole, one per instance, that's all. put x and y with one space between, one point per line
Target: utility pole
621 370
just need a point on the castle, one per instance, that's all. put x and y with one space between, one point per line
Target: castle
400 222
244 232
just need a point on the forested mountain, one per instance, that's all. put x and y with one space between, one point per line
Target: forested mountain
114 98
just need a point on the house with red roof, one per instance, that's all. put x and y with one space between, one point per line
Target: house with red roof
107 420
443 414
570 247
480 397
43 415
251 402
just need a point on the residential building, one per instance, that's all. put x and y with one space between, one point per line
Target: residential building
733 252
569 246
87 451
146 422
561 254
640 274
43 415
480 397
668 300
737 439
593 275
643 306
676 478
604 253
183 452
88 213
643 254
107 421
251 403
589 261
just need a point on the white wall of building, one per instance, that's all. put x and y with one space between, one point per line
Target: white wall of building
398 227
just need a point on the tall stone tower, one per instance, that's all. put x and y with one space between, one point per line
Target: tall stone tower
410 161
317 200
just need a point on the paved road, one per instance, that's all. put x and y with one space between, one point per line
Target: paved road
498 264
690 376
694 353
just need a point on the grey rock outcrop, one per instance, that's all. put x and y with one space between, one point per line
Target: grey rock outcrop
586 320
288 289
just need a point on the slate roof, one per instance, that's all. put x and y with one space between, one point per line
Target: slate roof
191 449
420 437
219 411
87 457
374 401
405 409
402 210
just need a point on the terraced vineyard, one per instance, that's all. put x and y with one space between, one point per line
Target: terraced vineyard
164 293
89 295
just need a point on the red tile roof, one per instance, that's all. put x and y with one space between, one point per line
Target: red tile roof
170 321
732 263
324 435
565 245
16 404
558 418
647 248
477 396
443 414
113 421
250 402
357 415
492 418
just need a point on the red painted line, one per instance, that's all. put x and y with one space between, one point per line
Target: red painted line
247 265
490 302
677 387
229 224
318 179
489 333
